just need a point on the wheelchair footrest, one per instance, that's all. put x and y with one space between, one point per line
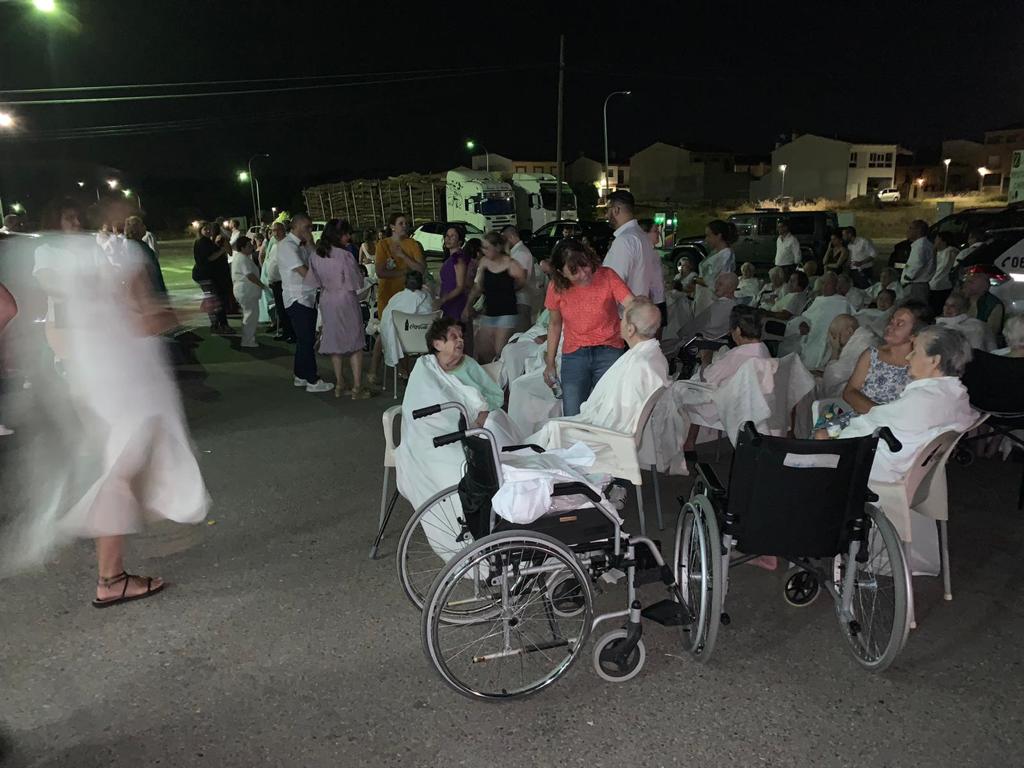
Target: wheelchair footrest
668 613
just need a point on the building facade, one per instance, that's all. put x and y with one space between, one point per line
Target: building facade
1000 145
666 172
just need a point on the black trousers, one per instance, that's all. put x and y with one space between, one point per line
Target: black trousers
219 314
284 322
304 322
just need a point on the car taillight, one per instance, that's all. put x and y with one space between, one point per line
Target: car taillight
996 276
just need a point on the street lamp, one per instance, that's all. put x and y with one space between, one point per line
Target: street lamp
45 6
471 145
81 184
18 208
945 183
6 120
138 198
605 112
782 189
982 173
112 183
243 176
254 188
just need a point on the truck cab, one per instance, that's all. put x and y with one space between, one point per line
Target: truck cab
479 198
535 200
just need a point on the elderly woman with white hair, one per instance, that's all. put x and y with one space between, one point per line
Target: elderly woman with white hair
954 314
773 290
1013 332
935 401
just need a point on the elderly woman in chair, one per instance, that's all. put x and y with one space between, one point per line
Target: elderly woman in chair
935 401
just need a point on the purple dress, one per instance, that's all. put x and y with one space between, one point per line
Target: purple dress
338 278
454 307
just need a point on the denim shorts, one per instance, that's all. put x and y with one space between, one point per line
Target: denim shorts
498 321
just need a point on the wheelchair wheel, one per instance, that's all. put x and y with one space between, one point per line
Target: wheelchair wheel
879 619
608 667
523 645
433 527
802 589
698 571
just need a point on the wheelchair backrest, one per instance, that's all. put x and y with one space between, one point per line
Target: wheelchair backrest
797 498
478 485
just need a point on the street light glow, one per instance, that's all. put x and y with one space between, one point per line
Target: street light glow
80 184
112 183
18 208
470 145
45 6
243 176
126 192
947 161
983 171
783 167
6 120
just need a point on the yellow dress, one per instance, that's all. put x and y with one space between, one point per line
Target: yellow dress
389 286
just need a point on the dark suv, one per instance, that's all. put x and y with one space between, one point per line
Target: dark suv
956 226
598 234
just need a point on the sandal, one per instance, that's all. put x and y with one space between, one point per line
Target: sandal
125 597
362 394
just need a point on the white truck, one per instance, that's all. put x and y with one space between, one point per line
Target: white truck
479 198
535 200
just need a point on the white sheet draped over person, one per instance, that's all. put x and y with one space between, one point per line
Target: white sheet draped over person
123 453
807 334
618 398
521 348
413 300
847 340
531 402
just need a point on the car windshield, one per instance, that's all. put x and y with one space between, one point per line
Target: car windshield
547 197
496 206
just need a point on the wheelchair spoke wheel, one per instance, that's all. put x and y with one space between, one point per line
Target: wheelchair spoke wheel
432 537
698 571
523 644
878 622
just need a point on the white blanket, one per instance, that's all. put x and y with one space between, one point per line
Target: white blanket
819 316
838 372
978 333
411 302
875 319
531 403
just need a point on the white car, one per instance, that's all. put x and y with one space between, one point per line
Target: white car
888 195
430 236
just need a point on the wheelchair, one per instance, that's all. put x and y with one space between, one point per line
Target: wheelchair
512 609
808 502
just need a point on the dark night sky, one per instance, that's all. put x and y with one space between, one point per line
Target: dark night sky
729 74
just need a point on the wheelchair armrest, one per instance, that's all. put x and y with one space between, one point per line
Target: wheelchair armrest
710 478
532 446
572 489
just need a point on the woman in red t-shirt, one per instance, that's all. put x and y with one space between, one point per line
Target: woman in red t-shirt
583 300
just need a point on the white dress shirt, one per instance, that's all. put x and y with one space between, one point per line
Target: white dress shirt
291 255
944 261
921 262
877 288
524 259
633 257
787 251
862 253
235 234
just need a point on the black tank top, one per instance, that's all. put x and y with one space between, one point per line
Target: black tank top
499 293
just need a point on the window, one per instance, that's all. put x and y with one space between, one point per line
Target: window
538 169
553 170
622 177
994 161
879 159
744 225
801 225
520 169
853 159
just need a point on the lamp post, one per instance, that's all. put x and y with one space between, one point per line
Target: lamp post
6 124
471 145
254 188
782 189
138 197
605 112
945 182
982 173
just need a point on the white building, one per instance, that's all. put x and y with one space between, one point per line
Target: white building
829 168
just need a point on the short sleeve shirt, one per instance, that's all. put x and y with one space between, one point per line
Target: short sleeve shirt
590 313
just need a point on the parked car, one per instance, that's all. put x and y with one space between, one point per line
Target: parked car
757 233
888 195
956 226
598 233
430 236
1001 257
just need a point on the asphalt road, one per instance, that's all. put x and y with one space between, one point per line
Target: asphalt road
280 644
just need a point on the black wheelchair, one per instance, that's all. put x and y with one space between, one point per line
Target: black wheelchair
808 502
510 607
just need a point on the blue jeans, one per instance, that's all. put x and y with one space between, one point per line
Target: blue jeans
581 370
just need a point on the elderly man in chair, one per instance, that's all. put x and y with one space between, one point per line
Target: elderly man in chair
619 396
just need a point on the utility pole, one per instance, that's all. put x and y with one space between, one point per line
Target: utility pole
558 148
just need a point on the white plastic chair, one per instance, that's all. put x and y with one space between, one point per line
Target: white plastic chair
412 337
494 371
389 419
924 490
624 447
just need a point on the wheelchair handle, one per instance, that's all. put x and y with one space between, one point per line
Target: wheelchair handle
884 433
451 437
430 410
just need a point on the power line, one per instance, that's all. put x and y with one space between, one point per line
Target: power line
252 91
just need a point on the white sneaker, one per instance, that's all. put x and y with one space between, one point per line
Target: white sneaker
320 386
5 431
300 382
254 345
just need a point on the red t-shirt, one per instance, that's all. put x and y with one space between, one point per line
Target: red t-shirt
590 313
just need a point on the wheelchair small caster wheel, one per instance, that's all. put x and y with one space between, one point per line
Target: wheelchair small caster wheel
725 618
964 457
566 596
611 668
801 589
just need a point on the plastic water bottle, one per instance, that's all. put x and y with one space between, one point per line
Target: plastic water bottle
556 388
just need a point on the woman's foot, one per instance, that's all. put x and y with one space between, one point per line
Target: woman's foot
362 394
125 587
371 380
342 389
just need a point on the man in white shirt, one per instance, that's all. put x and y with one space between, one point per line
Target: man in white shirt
920 264
815 321
521 254
787 249
631 253
235 231
975 239
293 254
854 295
272 277
887 280
954 314
791 303
877 318
862 256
